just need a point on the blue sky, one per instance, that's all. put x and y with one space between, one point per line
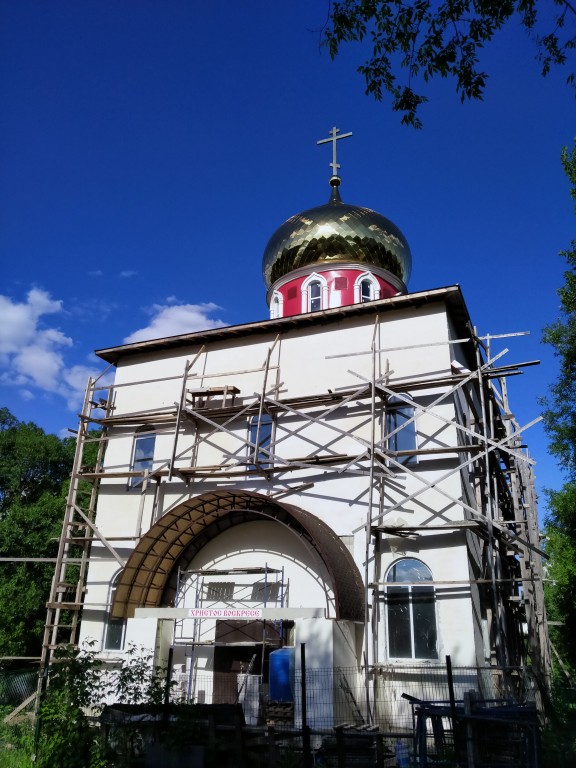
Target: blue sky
148 150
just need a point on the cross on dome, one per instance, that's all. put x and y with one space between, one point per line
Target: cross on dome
334 137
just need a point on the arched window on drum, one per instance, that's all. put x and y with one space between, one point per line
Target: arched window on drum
314 293
366 288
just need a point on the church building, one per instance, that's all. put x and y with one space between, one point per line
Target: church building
346 476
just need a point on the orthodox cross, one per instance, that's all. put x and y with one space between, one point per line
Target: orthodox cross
334 137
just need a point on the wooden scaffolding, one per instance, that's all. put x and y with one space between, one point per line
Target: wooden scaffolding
500 522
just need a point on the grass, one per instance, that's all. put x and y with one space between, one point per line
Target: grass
16 741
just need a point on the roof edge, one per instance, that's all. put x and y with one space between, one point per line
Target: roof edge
452 295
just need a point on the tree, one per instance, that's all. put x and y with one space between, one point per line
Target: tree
560 421
423 39
34 472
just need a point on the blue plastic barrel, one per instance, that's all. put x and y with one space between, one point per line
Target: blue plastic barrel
281 675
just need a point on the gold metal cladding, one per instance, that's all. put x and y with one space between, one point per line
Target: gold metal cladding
336 233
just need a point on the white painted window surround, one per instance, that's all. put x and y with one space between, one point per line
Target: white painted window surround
314 293
276 305
366 288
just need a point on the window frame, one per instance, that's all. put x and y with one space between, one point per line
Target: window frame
276 305
141 435
112 624
401 437
366 277
311 280
259 439
408 594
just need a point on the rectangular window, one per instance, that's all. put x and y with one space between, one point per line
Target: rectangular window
114 638
260 437
401 429
142 457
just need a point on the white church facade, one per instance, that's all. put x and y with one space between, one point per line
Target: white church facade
345 475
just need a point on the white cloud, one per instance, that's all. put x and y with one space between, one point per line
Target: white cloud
128 273
18 322
31 353
174 320
95 273
76 379
40 365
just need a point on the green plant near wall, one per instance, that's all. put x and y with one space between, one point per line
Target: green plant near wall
78 683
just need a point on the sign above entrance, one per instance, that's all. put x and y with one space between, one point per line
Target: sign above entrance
249 614
224 613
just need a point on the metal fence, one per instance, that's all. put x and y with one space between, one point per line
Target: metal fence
382 697
16 685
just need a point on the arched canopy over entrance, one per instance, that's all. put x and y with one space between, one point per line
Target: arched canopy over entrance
146 577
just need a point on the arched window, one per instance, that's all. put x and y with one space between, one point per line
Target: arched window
410 611
276 305
142 454
314 294
366 288
401 428
114 630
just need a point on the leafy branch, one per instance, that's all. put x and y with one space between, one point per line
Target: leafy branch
412 39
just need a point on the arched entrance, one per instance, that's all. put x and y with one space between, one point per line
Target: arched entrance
148 579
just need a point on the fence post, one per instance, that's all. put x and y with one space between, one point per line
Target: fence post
306 753
340 746
379 750
271 746
469 698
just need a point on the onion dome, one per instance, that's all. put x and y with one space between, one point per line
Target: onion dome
334 234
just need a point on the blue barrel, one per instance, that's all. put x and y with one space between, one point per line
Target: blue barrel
281 676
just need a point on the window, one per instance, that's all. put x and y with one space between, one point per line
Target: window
314 293
260 437
401 428
366 288
142 455
314 296
411 611
276 305
114 630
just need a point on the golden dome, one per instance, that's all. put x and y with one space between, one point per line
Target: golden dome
336 233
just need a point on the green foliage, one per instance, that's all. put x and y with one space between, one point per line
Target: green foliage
16 741
560 421
34 471
559 735
80 685
561 571
32 463
66 737
422 39
560 413
137 681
